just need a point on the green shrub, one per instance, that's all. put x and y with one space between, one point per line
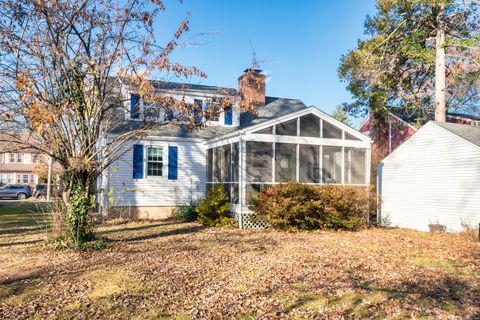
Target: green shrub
214 210
187 212
305 207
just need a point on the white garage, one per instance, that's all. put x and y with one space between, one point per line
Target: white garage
433 179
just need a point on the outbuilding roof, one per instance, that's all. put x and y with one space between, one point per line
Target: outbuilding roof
467 132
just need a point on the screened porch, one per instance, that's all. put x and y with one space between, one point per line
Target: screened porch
308 148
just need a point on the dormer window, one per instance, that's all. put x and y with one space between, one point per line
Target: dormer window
214 111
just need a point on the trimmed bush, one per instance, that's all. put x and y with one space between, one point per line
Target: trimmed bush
187 212
304 207
214 210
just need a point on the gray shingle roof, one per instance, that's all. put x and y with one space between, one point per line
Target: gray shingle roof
273 108
175 130
183 87
465 131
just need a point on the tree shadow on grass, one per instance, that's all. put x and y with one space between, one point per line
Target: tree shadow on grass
146 226
9 244
448 292
162 234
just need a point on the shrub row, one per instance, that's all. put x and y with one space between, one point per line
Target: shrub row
306 207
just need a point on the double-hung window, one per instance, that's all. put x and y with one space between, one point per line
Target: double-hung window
155 161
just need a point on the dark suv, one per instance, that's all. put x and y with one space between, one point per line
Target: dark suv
40 191
15 191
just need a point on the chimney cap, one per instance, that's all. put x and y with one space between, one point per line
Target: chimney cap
252 69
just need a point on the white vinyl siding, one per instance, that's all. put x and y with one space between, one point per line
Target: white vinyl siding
433 178
160 191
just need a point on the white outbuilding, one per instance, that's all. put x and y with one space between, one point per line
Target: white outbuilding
433 179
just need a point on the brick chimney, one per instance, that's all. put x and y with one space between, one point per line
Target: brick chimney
251 86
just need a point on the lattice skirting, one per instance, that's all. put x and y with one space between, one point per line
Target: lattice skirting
248 220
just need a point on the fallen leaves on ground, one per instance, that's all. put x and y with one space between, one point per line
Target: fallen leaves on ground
185 271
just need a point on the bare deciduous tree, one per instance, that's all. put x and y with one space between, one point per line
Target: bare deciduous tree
61 66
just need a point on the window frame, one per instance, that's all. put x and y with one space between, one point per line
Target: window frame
163 162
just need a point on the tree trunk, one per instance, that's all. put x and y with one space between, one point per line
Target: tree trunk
440 82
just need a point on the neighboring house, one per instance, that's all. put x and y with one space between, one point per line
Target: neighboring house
19 168
401 125
285 141
433 179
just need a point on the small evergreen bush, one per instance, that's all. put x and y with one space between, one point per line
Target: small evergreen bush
214 210
305 207
188 212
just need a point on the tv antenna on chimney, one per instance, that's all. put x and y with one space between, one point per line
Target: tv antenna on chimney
256 64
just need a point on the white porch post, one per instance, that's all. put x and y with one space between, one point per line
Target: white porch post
241 183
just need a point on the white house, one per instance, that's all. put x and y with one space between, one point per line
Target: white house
284 141
433 179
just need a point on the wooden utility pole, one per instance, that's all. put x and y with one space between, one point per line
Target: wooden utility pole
440 82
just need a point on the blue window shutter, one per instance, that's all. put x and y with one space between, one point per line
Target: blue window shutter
172 162
228 116
134 106
138 161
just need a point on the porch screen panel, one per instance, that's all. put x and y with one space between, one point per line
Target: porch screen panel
355 165
288 128
310 126
348 136
332 164
330 131
285 162
217 164
226 163
210 165
309 164
235 162
234 195
259 161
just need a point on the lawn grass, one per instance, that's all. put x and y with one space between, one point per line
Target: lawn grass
22 216
174 270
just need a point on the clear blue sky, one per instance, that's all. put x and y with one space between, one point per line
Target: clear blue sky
301 42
